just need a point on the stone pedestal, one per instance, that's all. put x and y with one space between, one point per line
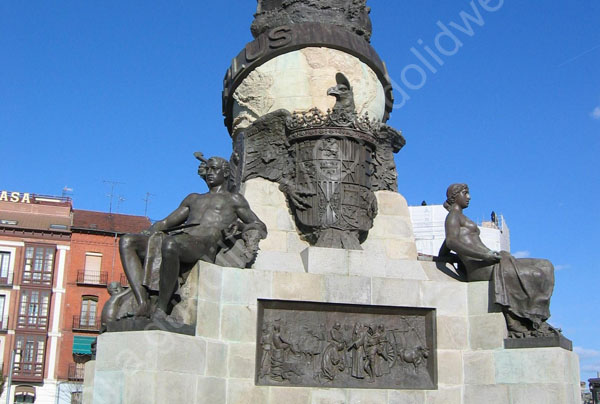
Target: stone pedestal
218 364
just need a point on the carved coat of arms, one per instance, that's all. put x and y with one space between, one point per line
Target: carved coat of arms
328 164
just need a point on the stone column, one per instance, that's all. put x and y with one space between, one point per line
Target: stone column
294 57
300 51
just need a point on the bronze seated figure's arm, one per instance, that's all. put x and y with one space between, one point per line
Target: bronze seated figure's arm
175 218
471 247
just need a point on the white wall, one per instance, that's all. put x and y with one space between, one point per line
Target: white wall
428 226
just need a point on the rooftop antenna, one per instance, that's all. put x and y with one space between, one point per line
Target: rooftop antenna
119 201
112 192
146 201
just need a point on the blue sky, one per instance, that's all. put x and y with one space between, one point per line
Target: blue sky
127 91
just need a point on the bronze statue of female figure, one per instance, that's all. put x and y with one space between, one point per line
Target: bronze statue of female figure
522 287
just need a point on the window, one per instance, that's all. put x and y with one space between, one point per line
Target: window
39 261
24 398
93 263
4 264
33 309
88 311
9 222
29 357
24 394
3 320
77 397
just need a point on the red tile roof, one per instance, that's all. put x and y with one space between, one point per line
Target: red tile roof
108 222
35 221
34 216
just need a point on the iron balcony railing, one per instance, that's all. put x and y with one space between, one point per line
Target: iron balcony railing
76 371
124 281
3 324
89 323
6 280
92 278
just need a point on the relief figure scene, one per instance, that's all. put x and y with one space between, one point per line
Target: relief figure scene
345 349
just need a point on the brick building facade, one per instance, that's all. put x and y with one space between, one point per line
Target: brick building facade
55 263
95 262
34 249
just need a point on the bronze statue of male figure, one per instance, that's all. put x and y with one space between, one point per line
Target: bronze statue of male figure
196 230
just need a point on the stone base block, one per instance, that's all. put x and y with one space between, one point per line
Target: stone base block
319 260
147 367
536 366
544 393
481 299
487 331
323 261
218 364
88 383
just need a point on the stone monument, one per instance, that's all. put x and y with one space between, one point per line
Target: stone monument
336 307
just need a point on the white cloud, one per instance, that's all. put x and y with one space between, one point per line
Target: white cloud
595 114
561 267
586 353
522 254
589 359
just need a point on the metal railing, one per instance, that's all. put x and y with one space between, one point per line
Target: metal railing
124 281
7 280
90 323
76 371
92 278
3 323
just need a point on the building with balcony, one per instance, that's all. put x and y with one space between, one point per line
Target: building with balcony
55 264
34 253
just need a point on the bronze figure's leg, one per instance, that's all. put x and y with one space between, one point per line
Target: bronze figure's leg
132 248
177 249
169 272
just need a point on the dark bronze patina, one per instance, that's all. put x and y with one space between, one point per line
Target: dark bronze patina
217 227
350 346
119 305
522 287
351 15
327 164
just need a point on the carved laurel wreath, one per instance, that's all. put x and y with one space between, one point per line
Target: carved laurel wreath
314 118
